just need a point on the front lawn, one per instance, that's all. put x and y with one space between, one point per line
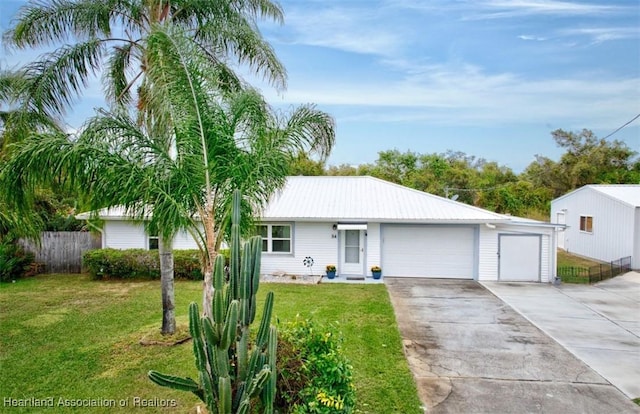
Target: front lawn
66 340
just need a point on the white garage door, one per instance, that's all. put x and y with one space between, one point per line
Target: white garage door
519 258
428 251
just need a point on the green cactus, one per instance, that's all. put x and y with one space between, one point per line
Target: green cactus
232 371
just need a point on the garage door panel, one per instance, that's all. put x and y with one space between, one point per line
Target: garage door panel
429 251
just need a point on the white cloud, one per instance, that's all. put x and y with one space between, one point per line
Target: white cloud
530 37
603 34
497 9
466 95
343 28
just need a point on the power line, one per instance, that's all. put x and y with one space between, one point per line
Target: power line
634 118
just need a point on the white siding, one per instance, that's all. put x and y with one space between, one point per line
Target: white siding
635 260
184 241
124 235
309 239
488 250
373 247
613 225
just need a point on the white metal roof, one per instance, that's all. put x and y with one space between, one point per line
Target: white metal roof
111 213
358 199
627 193
363 198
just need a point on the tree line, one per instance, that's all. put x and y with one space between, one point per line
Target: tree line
587 160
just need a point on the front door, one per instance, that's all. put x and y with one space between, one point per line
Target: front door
352 254
561 233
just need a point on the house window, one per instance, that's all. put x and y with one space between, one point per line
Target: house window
154 242
586 224
276 238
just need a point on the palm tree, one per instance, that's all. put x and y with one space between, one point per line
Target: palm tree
111 36
182 176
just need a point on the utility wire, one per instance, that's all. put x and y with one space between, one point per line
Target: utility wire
634 118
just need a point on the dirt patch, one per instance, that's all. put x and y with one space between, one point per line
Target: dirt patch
155 337
287 278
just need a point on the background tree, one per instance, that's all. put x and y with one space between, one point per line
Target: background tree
302 164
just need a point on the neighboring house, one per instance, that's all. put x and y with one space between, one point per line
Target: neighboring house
603 222
359 222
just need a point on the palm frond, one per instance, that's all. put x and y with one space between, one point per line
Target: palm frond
116 82
55 82
44 23
311 128
235 36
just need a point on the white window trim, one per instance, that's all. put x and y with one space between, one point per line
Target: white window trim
580 224
270 238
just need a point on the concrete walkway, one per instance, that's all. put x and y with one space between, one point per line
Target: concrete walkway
600 324
471 353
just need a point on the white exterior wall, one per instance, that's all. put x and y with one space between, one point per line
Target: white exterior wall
488 250
309 239
184 241
635 260
124 235
613 225
374 246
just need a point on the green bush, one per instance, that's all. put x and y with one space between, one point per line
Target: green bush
139 264
14 261
314 375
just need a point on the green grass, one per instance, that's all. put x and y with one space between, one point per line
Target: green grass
569 260
65 336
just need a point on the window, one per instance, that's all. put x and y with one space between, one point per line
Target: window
276 238
153 242
586 224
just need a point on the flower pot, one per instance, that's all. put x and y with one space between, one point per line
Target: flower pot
331 275
376 275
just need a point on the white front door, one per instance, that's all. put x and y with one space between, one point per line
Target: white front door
352 254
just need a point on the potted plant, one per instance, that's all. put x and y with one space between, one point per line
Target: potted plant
331 271
376 271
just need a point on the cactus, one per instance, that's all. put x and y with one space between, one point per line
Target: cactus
231 370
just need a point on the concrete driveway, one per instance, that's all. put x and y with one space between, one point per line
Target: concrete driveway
471 353
600 324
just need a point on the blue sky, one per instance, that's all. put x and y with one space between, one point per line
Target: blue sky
491 78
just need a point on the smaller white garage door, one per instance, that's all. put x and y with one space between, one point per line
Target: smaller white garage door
428 251
519 258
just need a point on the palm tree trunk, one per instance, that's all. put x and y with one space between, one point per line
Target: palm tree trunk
208 264
168 294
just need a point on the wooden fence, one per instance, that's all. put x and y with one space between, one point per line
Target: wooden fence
61 251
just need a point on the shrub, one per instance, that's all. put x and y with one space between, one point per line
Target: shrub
14 261
139 264
314 375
